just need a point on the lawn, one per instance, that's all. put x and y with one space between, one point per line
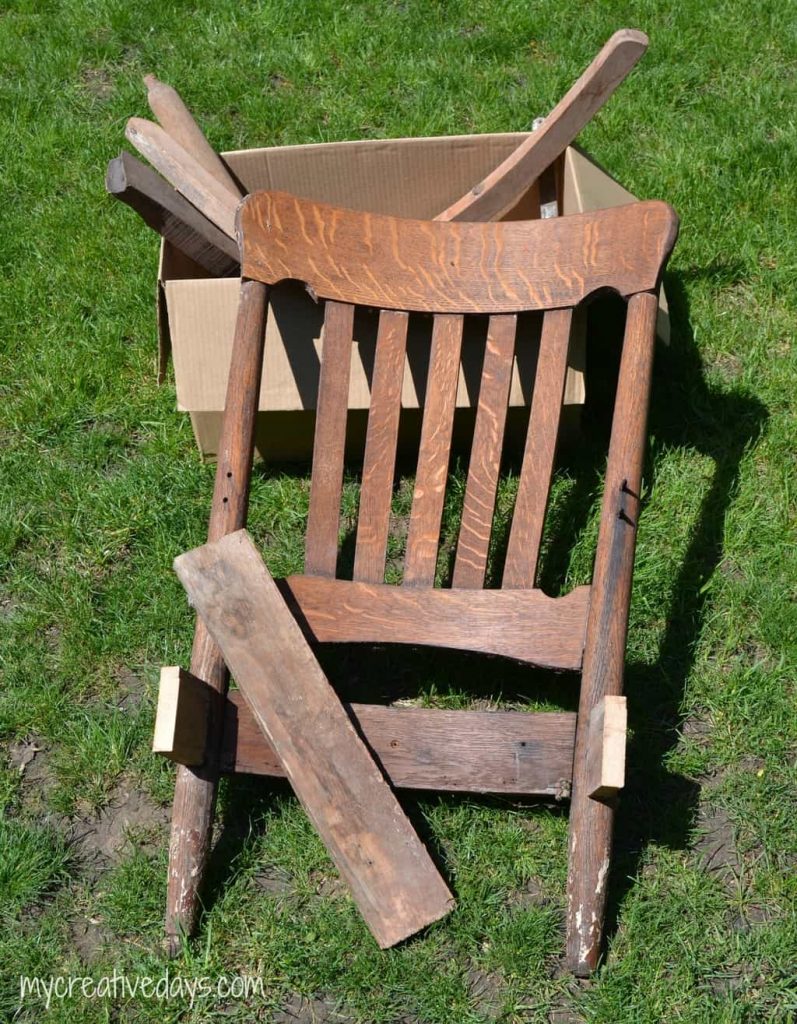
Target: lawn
101 486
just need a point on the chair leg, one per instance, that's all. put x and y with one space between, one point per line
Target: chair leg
195 788
589 858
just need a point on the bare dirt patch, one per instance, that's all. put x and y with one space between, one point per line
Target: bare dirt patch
301 1010
715 846
130 818
486 990
97 82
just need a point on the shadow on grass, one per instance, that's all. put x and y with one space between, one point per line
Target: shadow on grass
657 806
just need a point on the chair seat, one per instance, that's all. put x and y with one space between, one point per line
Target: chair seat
526 625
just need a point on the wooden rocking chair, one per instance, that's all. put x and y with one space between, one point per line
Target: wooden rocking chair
451 270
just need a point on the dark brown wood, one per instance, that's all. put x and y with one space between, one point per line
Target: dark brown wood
485 459
526 625
178 122
379 461
511 752
195 788
435 451
326 480
520 568
173 217
591 821
498 192
393 880
418 748
439 267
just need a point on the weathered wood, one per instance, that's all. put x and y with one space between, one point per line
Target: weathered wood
326 478
172 216
181 717
393 880
591 821
190 178
418 748
608 722
428 748
531 503
195 788
526 625
485 459
438 267
379 461
434 453
178 122
499 191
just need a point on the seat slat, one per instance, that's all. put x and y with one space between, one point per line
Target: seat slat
523 624
323 523
429 748
485 459
435 450
523 551
379 462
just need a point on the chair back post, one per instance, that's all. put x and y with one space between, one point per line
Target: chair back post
591 821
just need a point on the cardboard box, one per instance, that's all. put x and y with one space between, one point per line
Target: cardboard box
405 177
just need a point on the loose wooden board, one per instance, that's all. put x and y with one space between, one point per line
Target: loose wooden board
392 877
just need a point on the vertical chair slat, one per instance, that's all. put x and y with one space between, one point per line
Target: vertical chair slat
435 451
485 460
379 461
323 523
525 535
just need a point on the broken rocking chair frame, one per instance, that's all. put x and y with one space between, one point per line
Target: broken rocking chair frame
451 270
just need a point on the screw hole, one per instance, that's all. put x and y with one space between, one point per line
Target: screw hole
229 476
224 500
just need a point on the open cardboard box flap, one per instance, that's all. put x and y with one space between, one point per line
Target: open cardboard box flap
404 177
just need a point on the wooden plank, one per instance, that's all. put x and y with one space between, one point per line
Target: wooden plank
485 459
608 722
172 216
326 479
499 191
182 170
434 453
178 122
431 749
379 461
393 880
591 821
525 536
438 267
529 753
523 624
181 717
195 789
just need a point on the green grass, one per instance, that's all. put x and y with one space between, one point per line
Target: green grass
101 486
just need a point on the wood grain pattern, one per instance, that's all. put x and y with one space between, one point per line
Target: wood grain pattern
608 722
190 178
326 479
526 625
430 749
523 550
393 880
195 788
591 822
417 748
177 121
379 461
172 216
181 717
499 191
434 266
485 459
435 451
